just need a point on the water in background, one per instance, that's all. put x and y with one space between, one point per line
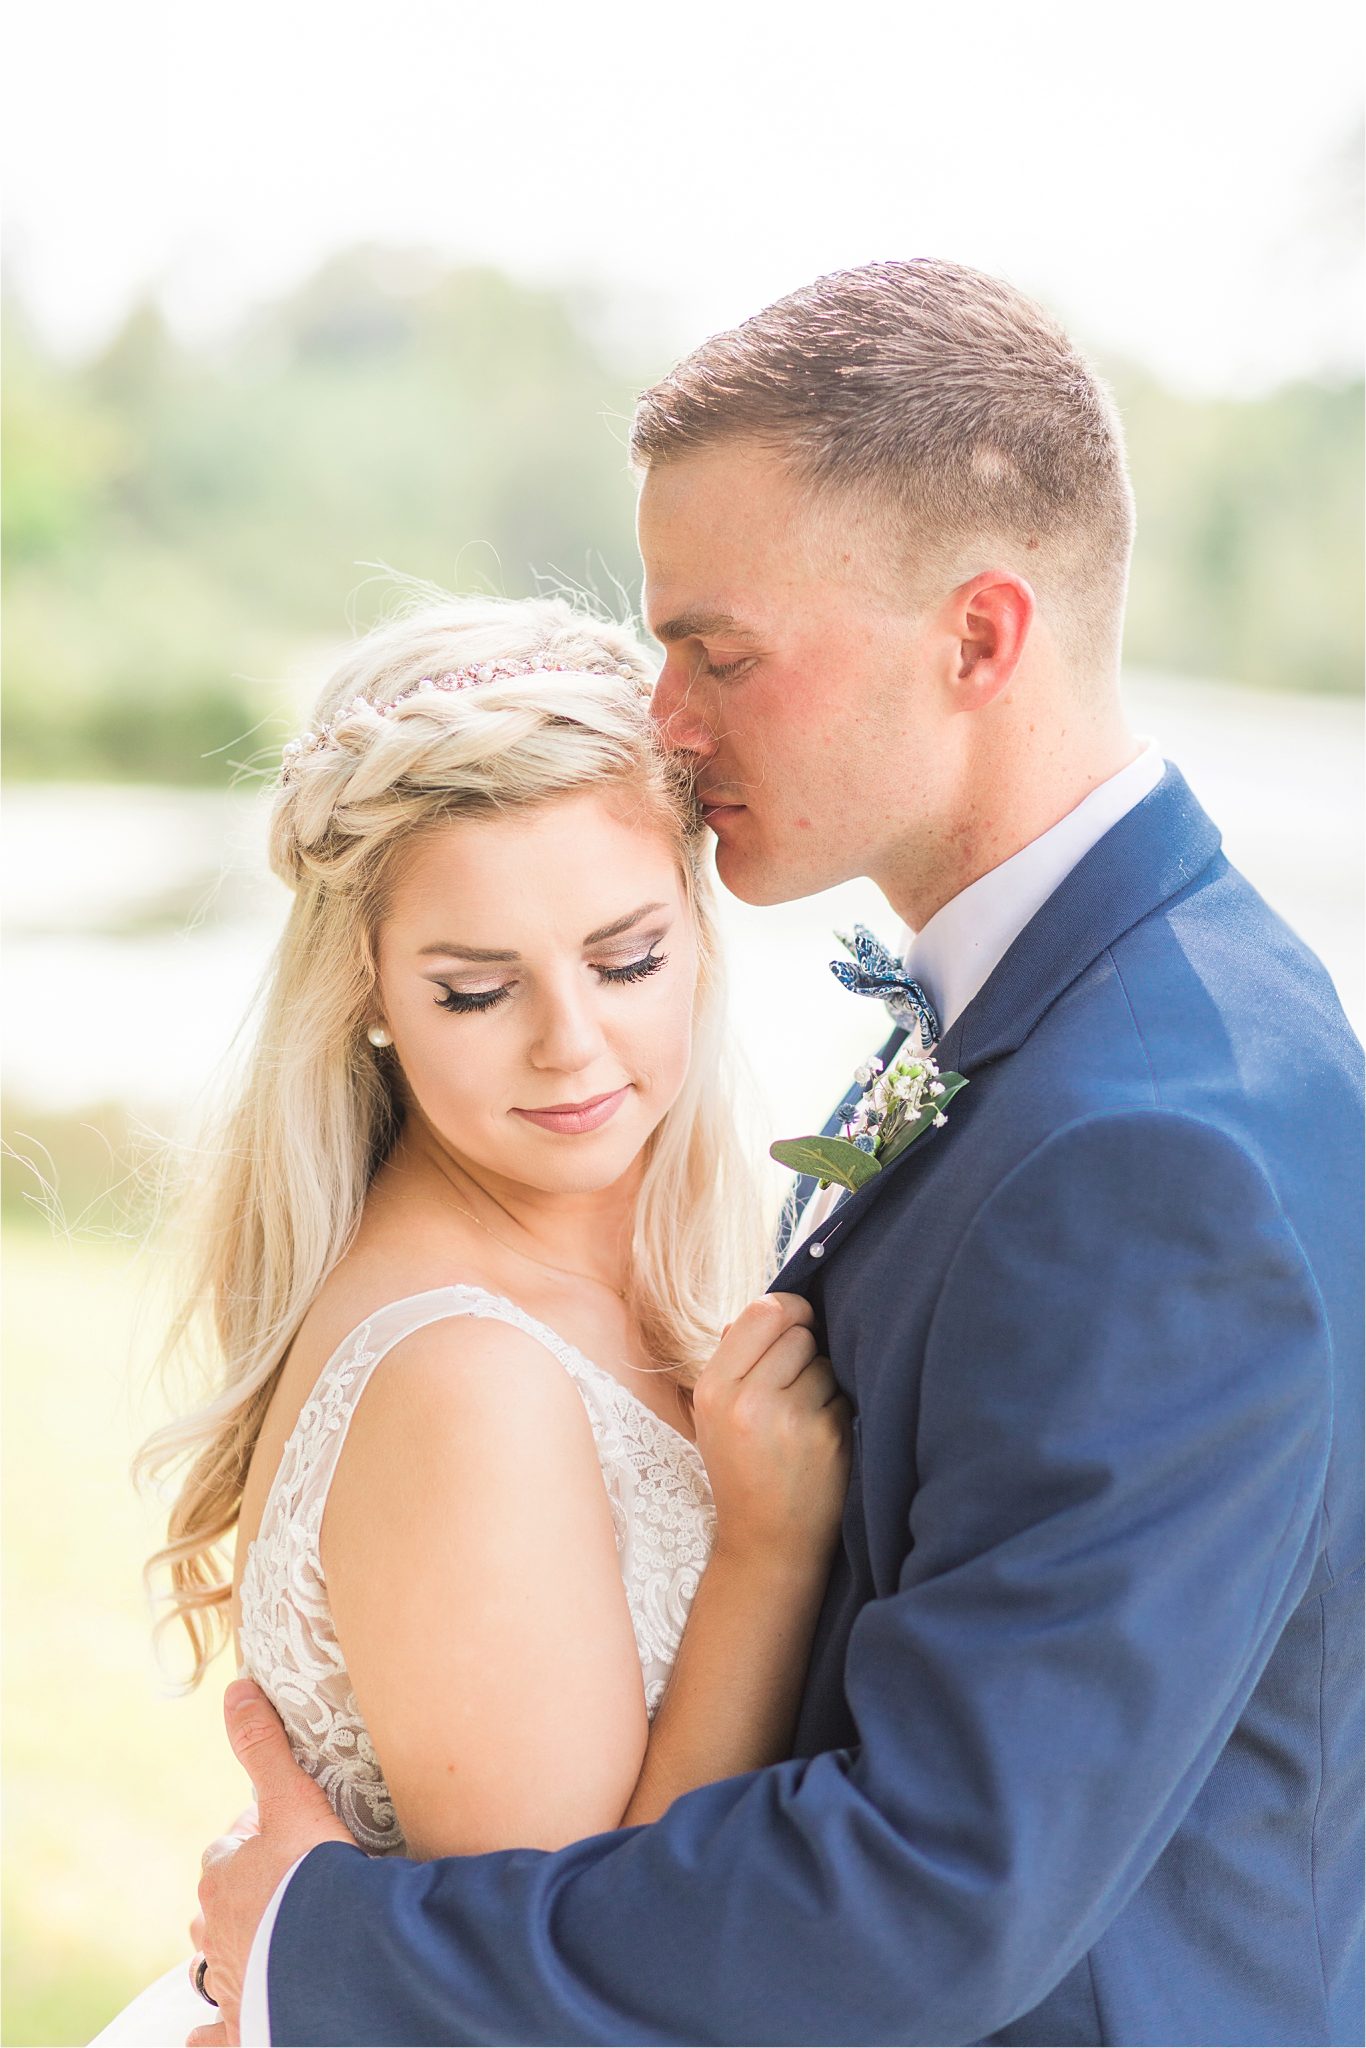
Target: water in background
139 920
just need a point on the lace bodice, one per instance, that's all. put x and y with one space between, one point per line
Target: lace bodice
661 1511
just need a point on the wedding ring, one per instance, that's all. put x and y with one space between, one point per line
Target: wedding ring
201 1971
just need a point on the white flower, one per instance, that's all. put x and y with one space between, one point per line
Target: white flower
892 1098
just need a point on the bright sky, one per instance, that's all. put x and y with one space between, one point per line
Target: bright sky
1162 175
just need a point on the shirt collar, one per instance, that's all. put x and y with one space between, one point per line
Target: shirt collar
961 945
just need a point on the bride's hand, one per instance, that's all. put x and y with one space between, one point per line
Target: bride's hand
774 1432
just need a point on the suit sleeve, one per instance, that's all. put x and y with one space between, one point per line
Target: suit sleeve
1120 1453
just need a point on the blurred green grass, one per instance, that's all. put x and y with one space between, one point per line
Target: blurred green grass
111 1787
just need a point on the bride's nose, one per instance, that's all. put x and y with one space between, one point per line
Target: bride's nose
568 1035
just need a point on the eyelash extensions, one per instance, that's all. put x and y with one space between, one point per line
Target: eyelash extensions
488 999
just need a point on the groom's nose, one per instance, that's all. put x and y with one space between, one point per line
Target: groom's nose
679 710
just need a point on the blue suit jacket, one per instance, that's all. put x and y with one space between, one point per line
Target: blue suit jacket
1079 1755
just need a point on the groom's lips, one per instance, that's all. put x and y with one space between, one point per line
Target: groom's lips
714 808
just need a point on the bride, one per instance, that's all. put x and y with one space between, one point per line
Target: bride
496 1411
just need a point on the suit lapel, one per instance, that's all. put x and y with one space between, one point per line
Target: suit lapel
1153 853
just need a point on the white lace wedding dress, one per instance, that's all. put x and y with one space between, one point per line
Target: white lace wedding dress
661 1510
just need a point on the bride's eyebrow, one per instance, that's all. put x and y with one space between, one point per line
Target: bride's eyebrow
623 924
484 953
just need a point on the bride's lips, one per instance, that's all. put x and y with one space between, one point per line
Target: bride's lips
573 1117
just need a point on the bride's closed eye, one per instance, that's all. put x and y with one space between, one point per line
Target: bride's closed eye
636 970
466 1003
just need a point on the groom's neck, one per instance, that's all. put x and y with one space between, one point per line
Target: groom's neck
1026 776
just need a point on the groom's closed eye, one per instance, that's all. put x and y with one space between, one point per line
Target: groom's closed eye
722 663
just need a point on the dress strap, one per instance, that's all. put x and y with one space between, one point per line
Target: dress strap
310 1455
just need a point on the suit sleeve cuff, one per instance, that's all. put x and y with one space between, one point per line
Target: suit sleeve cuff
254 2019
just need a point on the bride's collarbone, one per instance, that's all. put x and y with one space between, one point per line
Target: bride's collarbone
605 1333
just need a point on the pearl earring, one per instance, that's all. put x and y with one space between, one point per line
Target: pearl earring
377 1035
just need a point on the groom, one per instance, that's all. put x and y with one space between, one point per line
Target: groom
1079 1756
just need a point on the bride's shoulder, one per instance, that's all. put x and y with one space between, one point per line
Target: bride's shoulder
470 1414
476 1379
449 1372
451 1344
374 1289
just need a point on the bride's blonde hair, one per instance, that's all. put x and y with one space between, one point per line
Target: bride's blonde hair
278 1189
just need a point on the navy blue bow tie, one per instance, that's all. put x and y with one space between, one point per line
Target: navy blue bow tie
876 972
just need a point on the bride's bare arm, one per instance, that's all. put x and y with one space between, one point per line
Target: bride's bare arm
473 1578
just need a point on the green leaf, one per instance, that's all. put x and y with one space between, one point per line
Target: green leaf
908 1134
827 1158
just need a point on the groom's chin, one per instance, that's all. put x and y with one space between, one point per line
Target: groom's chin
751 878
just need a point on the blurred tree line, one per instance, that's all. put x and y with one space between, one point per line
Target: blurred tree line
181 524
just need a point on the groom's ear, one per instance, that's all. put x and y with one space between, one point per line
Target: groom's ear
989 617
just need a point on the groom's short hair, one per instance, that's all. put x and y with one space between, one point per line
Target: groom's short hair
946 406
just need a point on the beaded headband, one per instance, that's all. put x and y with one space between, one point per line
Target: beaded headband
470 678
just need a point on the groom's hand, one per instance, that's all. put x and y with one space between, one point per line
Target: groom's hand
241 1872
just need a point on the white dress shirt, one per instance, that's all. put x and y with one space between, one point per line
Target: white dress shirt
961 946
951 959
253 2024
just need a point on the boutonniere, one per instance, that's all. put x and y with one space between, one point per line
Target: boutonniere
898 1106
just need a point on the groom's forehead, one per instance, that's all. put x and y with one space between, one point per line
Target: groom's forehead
712 570
700 504
730 542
